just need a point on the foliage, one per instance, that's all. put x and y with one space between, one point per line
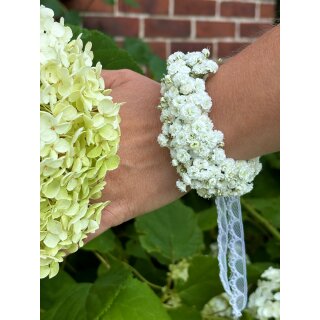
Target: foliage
142 53
60 10
124 274
132 3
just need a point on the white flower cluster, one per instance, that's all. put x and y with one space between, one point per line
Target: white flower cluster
179 271
217 307
264 303
196 149
79 139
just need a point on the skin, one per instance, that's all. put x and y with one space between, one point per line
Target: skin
245 94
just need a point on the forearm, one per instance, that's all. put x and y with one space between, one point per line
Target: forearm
245 93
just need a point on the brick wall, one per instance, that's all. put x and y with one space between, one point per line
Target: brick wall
186 25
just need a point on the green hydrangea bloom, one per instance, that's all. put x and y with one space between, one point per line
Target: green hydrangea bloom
79 140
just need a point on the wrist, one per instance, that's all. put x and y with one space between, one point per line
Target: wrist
226 116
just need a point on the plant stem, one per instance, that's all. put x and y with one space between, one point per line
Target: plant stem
141 277
103 260
137 273
259 218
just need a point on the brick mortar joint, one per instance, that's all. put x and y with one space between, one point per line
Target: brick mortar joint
258 11
197 40
171 5
177 18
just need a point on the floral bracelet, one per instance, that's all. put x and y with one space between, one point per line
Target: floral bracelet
196 148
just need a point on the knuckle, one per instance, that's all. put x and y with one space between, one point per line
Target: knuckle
127 74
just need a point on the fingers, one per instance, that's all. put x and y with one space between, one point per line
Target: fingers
115 78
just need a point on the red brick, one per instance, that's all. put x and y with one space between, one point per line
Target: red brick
267 10
167 28
195 7
89 5
158 48
237 9
228 49
114 26
190 46
146 6
207 29
253 30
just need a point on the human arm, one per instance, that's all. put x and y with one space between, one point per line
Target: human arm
245 92
246 99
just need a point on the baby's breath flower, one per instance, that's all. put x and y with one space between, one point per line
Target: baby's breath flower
79 139
195 146
264 303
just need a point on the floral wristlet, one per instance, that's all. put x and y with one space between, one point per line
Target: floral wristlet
197 152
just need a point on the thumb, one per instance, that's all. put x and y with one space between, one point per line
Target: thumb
113 78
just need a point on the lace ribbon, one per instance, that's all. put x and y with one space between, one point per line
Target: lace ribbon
232 254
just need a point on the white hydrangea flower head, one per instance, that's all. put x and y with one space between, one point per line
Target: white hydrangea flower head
217 307
79 139
264 302
196 147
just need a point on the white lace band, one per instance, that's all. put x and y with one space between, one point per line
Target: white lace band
232 255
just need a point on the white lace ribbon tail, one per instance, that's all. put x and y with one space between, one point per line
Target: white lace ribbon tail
223 243
229 209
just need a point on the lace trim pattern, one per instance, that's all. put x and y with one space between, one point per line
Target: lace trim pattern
232 255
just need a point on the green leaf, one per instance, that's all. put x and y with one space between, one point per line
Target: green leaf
116 295
267 183
52 289
150 272
136 301
246 316
114 59
170 233
105 50
132 3
58 8
219 318
157 67
71 305
254 271
203 282
112 2
133 248
98 39
273 249
184 313
193 200
104 243
268 207
207 219
138 49
72 17
105 290
273 160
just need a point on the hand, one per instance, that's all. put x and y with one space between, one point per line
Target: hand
145 179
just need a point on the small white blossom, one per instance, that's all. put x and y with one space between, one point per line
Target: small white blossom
217 307
181 186
179 271
163 140
264 303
